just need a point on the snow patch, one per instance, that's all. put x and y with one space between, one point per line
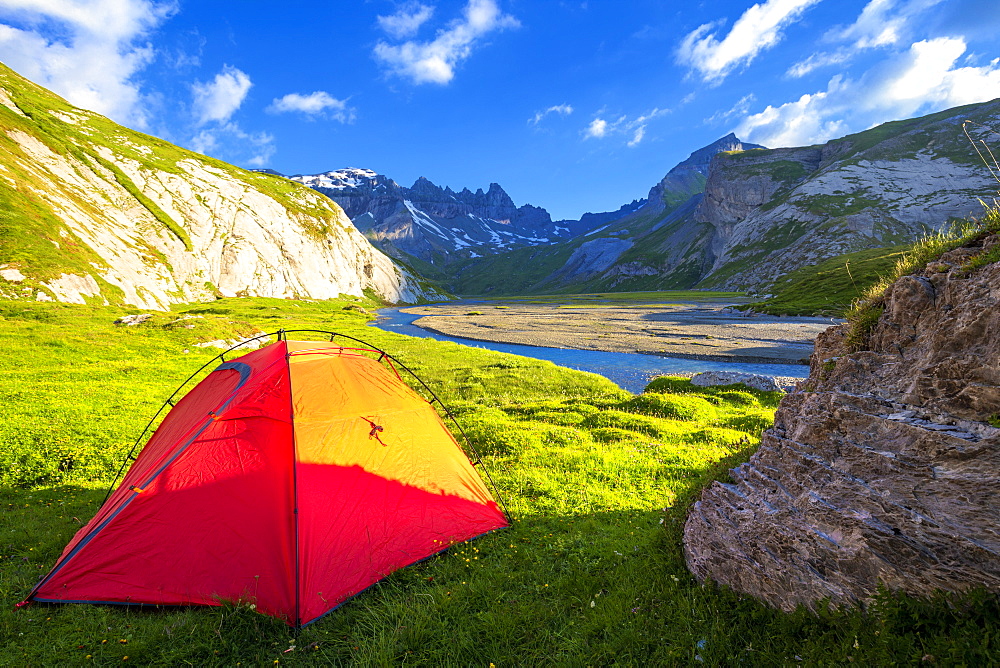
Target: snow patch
597 230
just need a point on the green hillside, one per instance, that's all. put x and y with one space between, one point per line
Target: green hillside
99 208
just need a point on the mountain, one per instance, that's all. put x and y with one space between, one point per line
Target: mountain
437 225
640 248
765 212
91 211
773 211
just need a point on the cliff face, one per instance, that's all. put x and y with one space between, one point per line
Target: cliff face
651 244
95 211
776 210
883 466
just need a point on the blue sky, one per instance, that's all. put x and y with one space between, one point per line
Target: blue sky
573 106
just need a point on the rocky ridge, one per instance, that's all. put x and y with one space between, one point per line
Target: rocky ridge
881 468
736 216
773 211
105 214
615 253
434 224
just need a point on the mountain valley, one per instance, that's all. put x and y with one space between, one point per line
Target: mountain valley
733 216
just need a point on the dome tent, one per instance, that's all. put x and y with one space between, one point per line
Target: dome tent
293 477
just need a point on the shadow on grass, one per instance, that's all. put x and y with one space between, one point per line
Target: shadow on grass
590 588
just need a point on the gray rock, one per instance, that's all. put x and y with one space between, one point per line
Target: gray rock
133 320
882 469
751 380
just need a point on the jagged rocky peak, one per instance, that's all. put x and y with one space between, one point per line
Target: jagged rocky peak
700 160
339 179
424 190
883 467
687 178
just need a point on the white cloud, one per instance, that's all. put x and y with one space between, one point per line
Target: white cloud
800 123
818 60
253 149
407 20
435 61
921 80
219 99
86 51
636 127
881 24
640 132
758 29
561 109
741 107
313 104
597 128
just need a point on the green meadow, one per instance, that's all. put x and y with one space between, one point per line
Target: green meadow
597 480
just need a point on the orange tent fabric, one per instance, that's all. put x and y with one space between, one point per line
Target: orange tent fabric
293 477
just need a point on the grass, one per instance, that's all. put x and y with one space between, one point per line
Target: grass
831 286
591 572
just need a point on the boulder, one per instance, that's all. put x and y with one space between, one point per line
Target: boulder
133 320
884 466
249 343
751 380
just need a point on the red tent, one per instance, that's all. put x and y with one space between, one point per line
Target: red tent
293 477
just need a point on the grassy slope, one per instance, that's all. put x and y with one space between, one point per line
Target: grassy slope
829 288
33 237
838 285
590 573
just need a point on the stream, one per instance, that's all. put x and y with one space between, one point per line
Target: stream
630 371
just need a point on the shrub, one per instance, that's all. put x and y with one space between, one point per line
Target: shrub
674 384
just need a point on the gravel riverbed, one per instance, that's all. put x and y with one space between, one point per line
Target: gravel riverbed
681 330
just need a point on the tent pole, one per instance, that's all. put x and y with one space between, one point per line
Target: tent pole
295 488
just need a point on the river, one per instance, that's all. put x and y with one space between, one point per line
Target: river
629 371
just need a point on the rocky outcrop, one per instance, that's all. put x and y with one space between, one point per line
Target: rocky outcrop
104 214
592 257
883 467
687 179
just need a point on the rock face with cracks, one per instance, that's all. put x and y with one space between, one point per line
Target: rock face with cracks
96 213
883 466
